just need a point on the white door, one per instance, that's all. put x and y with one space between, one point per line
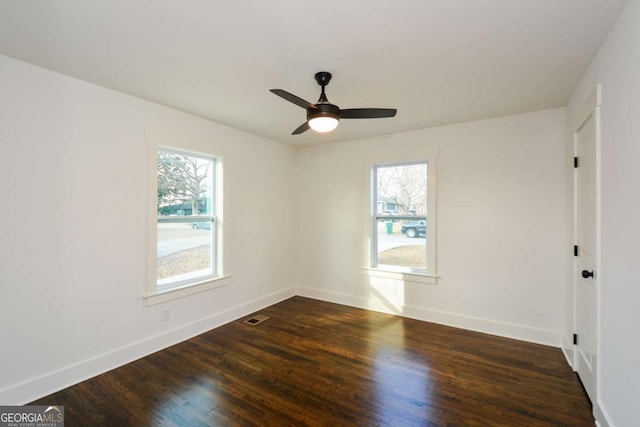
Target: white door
586 294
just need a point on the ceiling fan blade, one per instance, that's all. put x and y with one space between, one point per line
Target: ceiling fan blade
292 98
303 127
367 113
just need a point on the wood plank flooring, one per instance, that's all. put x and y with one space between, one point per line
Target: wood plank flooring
314 363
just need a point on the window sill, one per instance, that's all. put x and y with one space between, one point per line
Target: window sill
179 292
405 276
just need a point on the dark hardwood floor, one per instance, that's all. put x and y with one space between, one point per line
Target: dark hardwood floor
313 363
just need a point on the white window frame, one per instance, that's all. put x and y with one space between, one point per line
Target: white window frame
397 158
154 293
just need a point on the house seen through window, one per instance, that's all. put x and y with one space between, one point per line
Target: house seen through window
186 233
399 235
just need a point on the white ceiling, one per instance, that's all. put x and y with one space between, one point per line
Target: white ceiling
436 61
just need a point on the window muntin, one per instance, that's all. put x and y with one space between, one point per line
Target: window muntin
399 205
186 250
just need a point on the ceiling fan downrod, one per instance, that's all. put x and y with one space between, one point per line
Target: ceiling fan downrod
323 78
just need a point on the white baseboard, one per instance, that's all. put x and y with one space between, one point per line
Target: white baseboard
44 385
601 415
503 329
567 349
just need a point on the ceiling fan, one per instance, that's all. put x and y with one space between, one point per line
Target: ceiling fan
324 116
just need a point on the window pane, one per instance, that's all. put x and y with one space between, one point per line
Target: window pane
184 250
185 184
401 216
185 204
397 249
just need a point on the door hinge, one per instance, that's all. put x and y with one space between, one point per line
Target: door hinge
575 339
576 162
575 250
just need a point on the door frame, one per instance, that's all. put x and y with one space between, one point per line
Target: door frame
590 107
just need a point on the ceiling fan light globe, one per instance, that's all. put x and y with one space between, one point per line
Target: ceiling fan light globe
323 124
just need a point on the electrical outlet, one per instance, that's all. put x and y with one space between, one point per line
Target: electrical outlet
166 315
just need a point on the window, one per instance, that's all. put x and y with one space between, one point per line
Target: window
402 216
186 252
400 232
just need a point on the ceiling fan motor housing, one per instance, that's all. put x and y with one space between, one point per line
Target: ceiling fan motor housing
323 110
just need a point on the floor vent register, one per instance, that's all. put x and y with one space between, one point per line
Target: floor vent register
258 318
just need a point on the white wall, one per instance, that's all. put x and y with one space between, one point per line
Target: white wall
501 226
72 235
617 68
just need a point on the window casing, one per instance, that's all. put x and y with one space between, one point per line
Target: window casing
185 233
